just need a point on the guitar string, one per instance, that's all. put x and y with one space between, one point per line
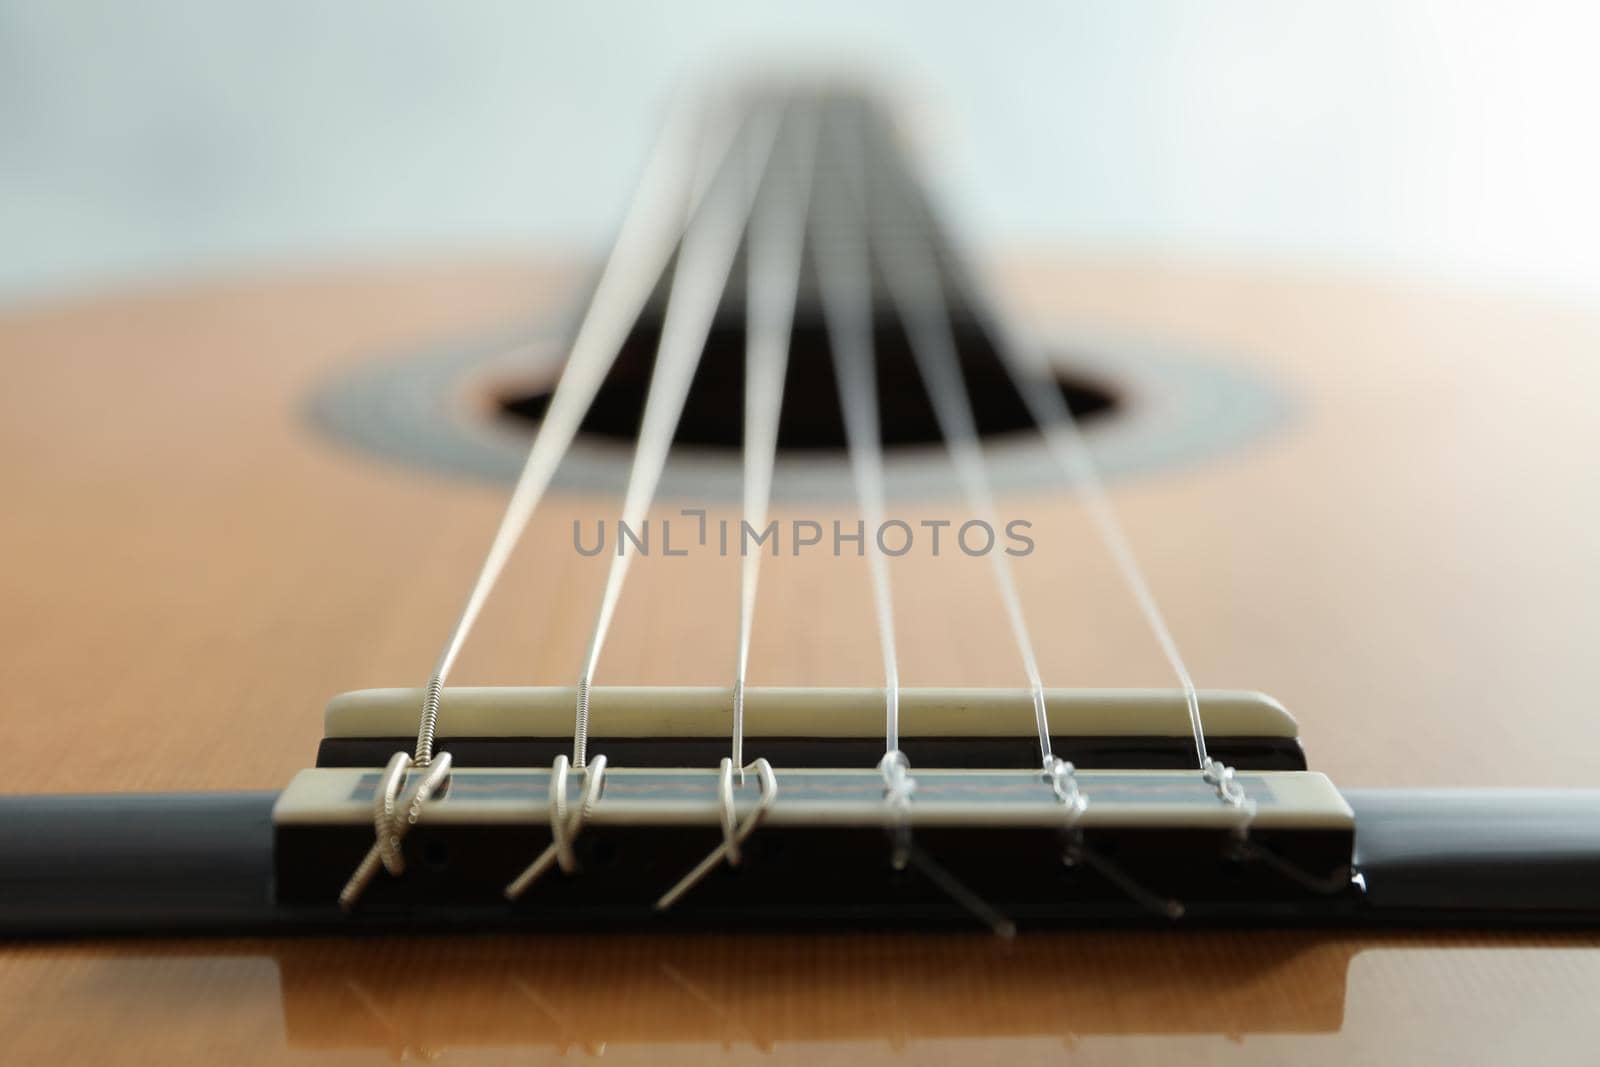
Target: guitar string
1029 371
717 220
845 288
916 289
775 249
668 195
704 260
1064 439
643 247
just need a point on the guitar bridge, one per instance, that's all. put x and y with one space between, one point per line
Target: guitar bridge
833 845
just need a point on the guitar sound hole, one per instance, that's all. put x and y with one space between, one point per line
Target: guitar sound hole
713 416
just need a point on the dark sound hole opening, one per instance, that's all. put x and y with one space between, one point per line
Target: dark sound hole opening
713 416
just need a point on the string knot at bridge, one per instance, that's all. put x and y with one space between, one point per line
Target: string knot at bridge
1221 777
734 833
393 816
898 785
565 825
1062 778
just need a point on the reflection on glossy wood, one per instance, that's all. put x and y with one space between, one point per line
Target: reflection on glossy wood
1219 996
186 575
766 991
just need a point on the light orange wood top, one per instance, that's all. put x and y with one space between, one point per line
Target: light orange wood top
187 574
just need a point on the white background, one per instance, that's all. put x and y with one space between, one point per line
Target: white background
149 143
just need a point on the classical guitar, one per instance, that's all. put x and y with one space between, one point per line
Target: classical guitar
867 606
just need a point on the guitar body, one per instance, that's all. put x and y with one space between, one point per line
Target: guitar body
1406 557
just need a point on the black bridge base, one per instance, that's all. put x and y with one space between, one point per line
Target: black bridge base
191 864
1099 752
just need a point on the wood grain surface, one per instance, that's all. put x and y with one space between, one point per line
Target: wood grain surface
187 573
